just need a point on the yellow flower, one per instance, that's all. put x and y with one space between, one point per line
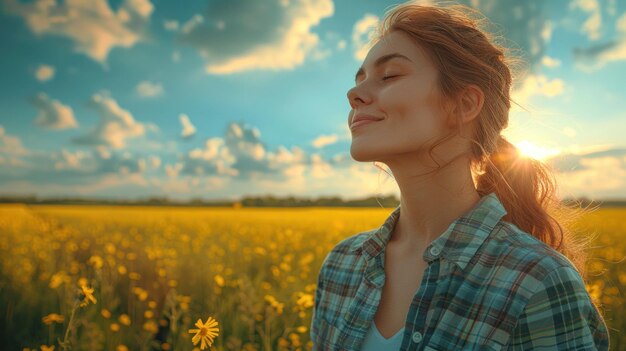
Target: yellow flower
283 343
275 304
88 293
184 302
82 281
124 319
96 261
105 313
115 327
52 317
151 326
121 348
47 348
205 333
219 280
59 278
141 293
305 300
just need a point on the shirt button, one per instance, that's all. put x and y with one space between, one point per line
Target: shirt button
417 337
435 251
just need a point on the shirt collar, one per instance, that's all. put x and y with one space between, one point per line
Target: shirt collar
458 243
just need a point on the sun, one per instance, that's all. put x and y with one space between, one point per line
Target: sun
528 149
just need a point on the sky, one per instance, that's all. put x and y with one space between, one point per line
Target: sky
222 99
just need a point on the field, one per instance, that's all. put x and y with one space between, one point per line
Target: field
156 271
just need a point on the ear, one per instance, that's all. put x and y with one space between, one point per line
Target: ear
470 103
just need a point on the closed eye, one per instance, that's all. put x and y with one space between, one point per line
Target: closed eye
389 77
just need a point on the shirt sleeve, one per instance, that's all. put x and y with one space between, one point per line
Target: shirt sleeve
315 318
560 316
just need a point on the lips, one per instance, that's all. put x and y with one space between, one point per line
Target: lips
362 119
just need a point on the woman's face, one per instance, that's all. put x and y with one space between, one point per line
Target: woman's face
402 93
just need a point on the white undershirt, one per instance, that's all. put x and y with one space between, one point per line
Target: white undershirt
374 341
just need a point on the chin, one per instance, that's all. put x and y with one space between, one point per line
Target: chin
361 154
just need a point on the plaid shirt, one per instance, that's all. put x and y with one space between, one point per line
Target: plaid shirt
488 286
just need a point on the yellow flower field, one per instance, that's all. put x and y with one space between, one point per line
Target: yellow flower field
171 278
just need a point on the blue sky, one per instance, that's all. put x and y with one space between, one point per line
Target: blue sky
219 99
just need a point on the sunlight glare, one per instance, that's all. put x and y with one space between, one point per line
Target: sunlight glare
531 150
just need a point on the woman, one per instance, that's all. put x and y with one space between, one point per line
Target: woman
469 260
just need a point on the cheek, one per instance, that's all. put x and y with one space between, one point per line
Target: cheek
410 101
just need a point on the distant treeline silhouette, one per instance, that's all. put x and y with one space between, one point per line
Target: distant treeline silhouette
257 201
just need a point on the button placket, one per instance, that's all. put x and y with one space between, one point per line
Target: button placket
435 251
416 337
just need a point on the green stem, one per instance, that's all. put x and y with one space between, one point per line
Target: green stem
65 342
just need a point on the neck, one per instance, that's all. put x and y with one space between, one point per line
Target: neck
430 203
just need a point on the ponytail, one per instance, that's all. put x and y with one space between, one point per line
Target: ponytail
526 188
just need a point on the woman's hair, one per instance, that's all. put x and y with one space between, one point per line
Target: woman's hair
464 53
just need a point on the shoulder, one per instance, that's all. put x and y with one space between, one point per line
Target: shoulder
521 252
543 291
515 262
344 256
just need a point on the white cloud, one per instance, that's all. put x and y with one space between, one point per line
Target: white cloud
538 85
599 174
593 25
188 128
242 154
149 89
362 35
277 37
155 161
550 61
44 73
115 126
11 145
282 156
103 152
173 170
596 57
171 25
52 114
319 168
214 158
194 22
546 32
92 25
71 160
324 140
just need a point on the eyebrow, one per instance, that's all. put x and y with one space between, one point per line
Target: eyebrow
380 61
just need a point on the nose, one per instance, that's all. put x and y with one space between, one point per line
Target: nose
356 97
